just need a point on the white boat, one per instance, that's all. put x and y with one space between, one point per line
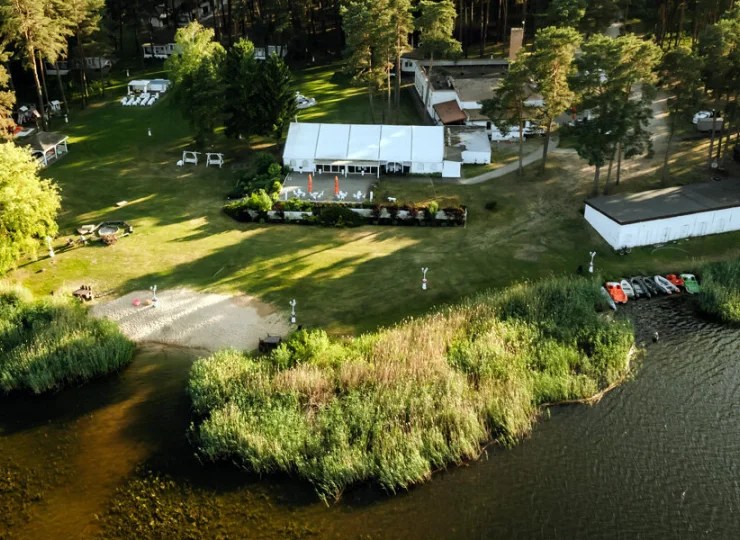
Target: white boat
627 288
665 285
609 299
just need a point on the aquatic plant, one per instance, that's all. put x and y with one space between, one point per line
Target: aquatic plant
47 344
720 296
395 405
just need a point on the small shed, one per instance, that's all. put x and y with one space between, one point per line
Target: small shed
664 215
46 146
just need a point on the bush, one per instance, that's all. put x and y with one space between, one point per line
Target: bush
491 206
269 178
45 345
394 406
720 296
338 216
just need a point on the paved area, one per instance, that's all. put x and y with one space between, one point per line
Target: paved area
528 159
325 183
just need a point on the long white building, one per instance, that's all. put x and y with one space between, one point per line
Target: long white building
663 215
367 149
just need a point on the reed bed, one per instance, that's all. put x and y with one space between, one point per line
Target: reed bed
720 295
48 344
393 406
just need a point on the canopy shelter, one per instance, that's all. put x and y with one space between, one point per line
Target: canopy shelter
138 86
364 149
159 85
47 147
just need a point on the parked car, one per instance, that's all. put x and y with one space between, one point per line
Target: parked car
704 114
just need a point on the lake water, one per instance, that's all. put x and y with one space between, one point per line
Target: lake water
658 457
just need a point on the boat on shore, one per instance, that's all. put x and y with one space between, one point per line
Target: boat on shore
639 288
628 289
650 286
609 299
676 280
614 288
665 285
691 284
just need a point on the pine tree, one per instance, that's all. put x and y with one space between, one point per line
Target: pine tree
275 97
7 99
240 90
436 24
83 16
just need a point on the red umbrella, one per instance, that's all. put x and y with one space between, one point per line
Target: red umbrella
336 185
310 183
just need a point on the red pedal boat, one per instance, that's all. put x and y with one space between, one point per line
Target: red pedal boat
676 280
616 292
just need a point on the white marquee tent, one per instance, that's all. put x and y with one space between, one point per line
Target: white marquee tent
364 149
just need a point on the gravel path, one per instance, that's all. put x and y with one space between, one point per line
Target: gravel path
191 319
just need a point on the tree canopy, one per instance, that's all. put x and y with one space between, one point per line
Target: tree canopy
28 205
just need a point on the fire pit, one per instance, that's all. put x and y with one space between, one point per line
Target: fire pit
108 229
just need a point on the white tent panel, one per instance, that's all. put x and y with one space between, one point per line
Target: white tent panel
395 144
427 144
333 141
301 142
364 142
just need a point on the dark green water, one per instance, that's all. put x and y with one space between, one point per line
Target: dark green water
658 457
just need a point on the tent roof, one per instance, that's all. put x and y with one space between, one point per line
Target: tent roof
360 142
629 208
139 82
450 112
44 141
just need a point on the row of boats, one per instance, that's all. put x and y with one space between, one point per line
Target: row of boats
619 292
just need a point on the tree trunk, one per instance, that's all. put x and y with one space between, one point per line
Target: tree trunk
609 175
388 75
506 26
43 81
398 74
711 140
83 62
61 89
546 144
485 27
681 20
664 174
595 190
39 98
521 146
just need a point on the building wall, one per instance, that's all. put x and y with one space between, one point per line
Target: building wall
426 168
606 227
469 156
657 231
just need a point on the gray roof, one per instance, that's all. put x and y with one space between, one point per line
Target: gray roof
670 202
43 141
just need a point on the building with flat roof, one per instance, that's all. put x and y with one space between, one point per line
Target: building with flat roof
364 149
663 215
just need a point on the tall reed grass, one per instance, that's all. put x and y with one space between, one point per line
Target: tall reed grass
47 344
395 405
720 295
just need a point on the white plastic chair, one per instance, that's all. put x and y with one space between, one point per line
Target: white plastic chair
151 101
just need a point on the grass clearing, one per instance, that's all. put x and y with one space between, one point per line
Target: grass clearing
393 406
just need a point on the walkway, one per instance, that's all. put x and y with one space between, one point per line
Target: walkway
530 158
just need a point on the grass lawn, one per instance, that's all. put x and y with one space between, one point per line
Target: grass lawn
345 280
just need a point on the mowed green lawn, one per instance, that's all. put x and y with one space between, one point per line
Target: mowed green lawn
345 280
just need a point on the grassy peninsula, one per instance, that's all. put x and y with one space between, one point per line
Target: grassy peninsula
47 344
393 406
720 295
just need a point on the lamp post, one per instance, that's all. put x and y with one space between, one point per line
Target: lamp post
51 249
149 131
292 311
424 279
591 264
154 295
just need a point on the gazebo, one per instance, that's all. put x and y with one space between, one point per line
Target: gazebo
138 86
47 147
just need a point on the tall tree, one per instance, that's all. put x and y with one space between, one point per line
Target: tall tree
7 98
28 205
240 89
551 65
276 100
196 75
365 37
508 107
566 12
681 74
84 18
30 24
436 24
403 24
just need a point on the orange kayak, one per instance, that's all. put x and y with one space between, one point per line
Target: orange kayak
677 281
616 292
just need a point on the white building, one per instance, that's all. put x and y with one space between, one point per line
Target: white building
663 215
467 144
365 149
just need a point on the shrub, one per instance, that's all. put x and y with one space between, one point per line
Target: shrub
45 345
238 210
294 205
338 216
393 406
491 206
259 201
720 296
263 161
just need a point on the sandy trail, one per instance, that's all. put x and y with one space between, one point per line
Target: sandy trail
191 319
